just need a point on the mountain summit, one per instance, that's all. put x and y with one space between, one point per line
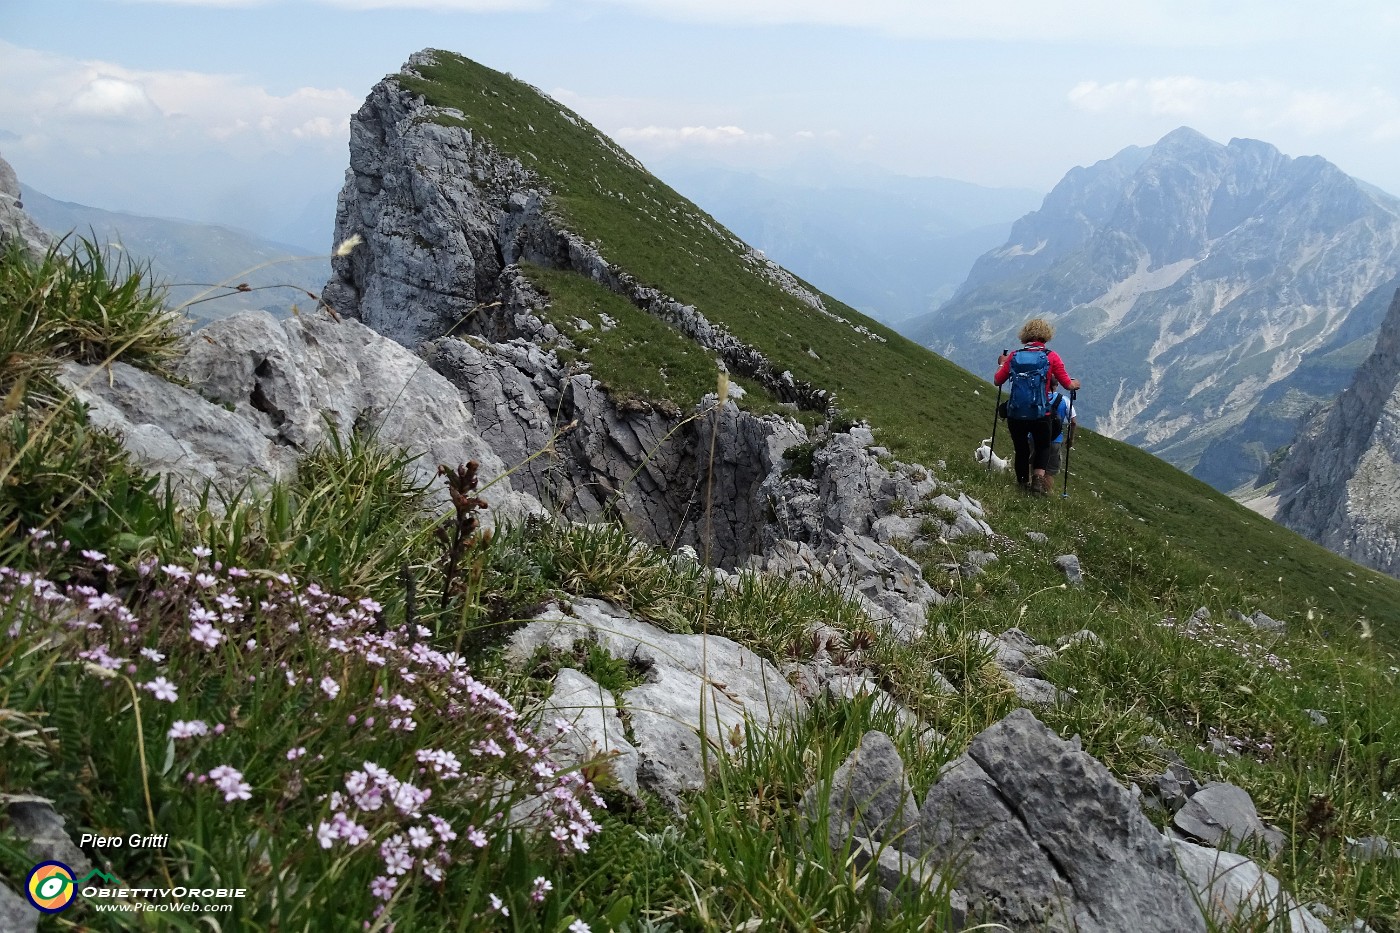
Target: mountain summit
1187 281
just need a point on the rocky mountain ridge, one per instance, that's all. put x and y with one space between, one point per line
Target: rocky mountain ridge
1340 483
1187 281
648 466
445 220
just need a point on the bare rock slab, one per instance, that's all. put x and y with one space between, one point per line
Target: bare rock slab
1223 815
700 689
598 732
1048 839
1239 893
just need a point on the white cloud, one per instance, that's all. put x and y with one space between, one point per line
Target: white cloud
111 98
52 100
1177 96
1266 105
671 137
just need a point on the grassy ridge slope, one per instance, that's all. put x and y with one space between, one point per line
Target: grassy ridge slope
923 407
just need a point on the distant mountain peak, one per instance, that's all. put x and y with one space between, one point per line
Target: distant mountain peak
1184 137
1188 281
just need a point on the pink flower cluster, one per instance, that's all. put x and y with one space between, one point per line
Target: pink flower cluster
333 661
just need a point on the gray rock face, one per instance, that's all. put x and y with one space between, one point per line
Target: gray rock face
445 218
830 526
872 817
443 214
1371 848
1048 839
33 820
590 459
871 798
15 223
430 254
856 686
1189 282
16 914
1340 483
598 731
174 432
1068 565
699 688
263 392
1238 892
1223 814
1175 786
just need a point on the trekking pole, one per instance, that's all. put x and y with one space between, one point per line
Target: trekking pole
996 416
1069 442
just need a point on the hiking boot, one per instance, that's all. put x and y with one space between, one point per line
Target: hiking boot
1041 484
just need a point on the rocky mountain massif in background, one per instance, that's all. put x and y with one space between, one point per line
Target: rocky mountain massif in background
1206 295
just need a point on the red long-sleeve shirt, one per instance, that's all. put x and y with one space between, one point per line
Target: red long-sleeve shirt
1058 374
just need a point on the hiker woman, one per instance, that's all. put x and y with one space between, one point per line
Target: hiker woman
1034 372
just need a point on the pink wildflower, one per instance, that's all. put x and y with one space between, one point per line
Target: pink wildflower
187 730
206 635
163 689
230 781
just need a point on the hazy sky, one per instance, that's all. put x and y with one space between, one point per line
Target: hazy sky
237 110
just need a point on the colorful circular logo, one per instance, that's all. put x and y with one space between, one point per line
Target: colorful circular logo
50 887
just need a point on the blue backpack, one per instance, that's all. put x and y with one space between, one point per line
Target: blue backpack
1030 372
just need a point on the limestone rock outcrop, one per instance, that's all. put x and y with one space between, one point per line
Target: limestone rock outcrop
698 690
1072 853
260 393
447 220
1340 484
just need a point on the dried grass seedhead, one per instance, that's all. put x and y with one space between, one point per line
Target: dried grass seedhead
460 536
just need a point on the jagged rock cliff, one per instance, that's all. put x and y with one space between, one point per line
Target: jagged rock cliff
1340 484
446 220
1190 283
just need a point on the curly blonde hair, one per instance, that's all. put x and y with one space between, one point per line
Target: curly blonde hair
1036 329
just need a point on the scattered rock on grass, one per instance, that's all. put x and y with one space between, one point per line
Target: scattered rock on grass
1069 566
1221 814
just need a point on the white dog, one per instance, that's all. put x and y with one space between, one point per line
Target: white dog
985 455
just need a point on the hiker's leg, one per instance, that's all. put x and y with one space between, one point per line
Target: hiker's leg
1022 443
1040 438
